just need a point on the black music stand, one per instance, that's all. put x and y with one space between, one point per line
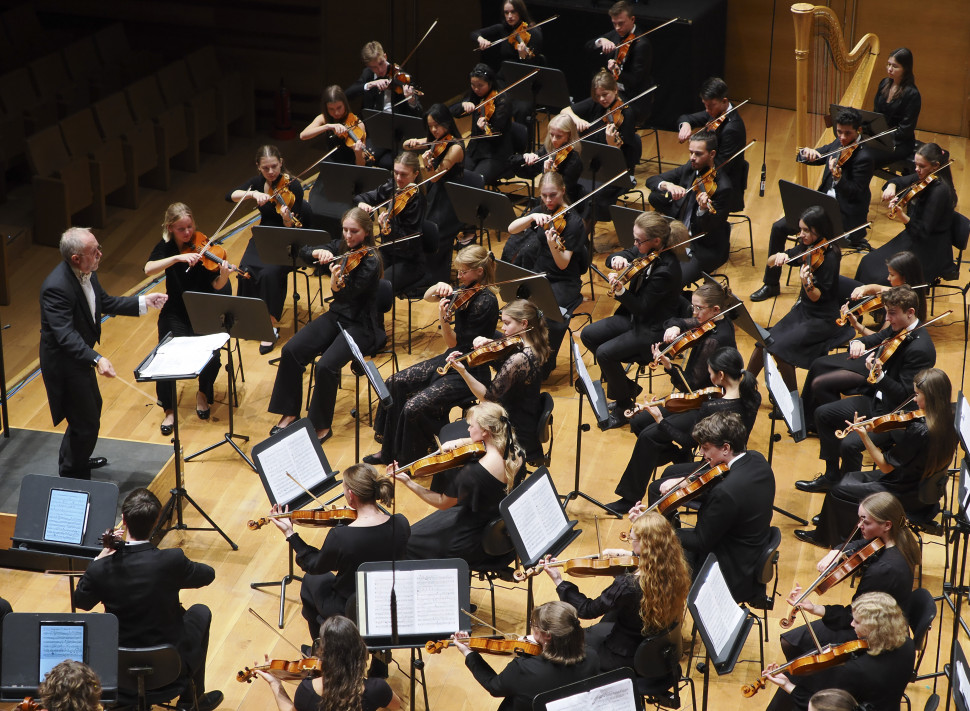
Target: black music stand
742 318
873 124
789 407
795 199
601 162
145 372
295 450
547 89
609 690
389 131
238 317
361 368
281 246
334 190
488 209
534 286
623 219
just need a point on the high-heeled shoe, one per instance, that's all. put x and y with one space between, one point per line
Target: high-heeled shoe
166 430
203 414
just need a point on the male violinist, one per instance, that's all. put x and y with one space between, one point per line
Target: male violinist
139 584
646 301
681 194
730 132
71 304
848 183
633 71
894 385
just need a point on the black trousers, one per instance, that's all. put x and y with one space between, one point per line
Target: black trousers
83 414
776 243
654 448
615 342
207 378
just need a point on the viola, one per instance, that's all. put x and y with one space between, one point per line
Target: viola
678 402
830 656
489 645
614 115
28 704
113 540
356 132
348 262
401 200
318 518
486 353
213 255
871 303
284 197
584 567
442 461
888 348
284 670
690 488
883 423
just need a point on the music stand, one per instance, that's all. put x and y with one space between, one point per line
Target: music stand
742 317
38 641
873 124
237 317
623 219
335 187
723 625
488 209
795 199
294 450
789 406
391 130
535 287
360 368
158 366
281 246
547 88
601 162
615 689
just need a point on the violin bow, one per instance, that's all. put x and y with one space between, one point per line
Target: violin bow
719 118
862 423
432 144
685 333
922 325
277 633
420 41
856 144
567 145
299 484
505 39
823 243
588 195
644 34
910 188
479 620
499 93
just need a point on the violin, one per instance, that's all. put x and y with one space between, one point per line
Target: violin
400 79
521 35
401 200
432 157
490 645
883 423
442 461
814 256
487 110
914 190
284 670
683 342
213 255
318 518
584 567
845 155
348 262
690 488
871 303
631 270
715 123
888 347
830 656
284 197
28 704
351 122
111 539
561 155
559 220
678 402
614 115
486 353
460 298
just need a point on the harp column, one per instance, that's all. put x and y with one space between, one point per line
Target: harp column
803 17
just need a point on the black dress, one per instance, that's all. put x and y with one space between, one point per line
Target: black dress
901 113
488 156
324 593
377 695
506 51
268 281
441 212
517 386
421 399
404 264
457 532
570 168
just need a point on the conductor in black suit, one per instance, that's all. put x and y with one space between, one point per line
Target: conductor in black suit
139 584
734 521
71 305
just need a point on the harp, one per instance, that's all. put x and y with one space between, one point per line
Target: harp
826 72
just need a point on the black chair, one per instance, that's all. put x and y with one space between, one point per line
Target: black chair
660 679
150 676
738 215
415 293
545 432
498 546
922 612
767 571
520 145
932 494
959 234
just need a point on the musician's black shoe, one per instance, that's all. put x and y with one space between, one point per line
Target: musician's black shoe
620 507
816 519
809 537
375 459
97 462
616 419
766 292
207 702
818 485
166 430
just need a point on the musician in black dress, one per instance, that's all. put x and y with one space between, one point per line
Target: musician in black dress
405 263
647 299
565 659
809 330
332 123
517 383
329 581
629 61
567 162
876 678
898 99
487 156
443 162
184 271
421 397
514 13
268 189
354 308
467 500
928 218
556 250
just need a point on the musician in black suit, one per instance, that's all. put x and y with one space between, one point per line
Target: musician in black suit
634 67
71 304
731 134
139 584
848 183
646 301
894 385
734 522
703 213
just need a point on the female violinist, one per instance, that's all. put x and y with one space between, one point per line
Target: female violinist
568 163
402 216
354 308
337 123
443 162
809 329
71 686
565 659
908 456
184 271
486 156
877 677
927 220
467 501
641 603
280 201
515 15
372 536
344 682
557 249
517 383
421 398
898 99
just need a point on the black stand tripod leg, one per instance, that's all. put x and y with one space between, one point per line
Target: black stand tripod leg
577 492
286 580
177 495
772 438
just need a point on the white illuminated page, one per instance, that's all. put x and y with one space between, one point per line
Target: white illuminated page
185 354
538 517
297 455
427 602
779 391
718 612
617 696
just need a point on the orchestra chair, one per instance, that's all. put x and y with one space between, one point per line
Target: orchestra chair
106 159
206 127
933 495
114 50
766 572
500 565
921 613
86 68
171 129
20 99
959 234
660 680
141 154
415 293
904 166
736 216
55 85
520 146
150 676
235 95
545 431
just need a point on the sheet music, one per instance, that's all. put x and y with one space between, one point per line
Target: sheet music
963 684
354 348
538 517
718 612
182 355
963 408
779 391
617 696
427 602
296 454
67 516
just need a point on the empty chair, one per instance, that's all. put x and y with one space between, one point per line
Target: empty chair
28 38
171 130
201 115
115 50
107 159
20 99
85 67
141 153
13 147
55 84
235 95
